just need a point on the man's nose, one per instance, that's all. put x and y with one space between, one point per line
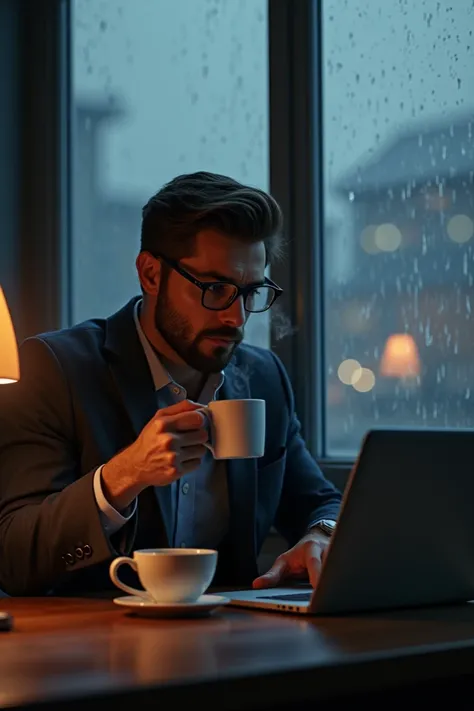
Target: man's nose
235 315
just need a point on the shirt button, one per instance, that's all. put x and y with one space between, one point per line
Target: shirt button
185 487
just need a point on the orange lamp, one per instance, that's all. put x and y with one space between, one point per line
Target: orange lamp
9 362
400 358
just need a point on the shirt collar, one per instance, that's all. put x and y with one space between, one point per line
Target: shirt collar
161 377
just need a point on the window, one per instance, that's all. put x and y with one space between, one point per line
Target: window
160 87
398 143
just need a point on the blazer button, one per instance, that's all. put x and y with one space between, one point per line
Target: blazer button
87 550
69 558
79 553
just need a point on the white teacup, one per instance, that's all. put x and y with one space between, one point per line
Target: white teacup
236 428
169 575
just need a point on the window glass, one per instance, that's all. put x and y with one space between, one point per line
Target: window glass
398 140
160 88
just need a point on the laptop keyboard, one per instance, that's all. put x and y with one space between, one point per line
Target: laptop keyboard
296 597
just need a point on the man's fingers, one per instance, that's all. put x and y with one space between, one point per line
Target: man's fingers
189 466
185 421
191 438
273 577
313 561
181 406
196 451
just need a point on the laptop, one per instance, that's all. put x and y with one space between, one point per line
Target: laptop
405 533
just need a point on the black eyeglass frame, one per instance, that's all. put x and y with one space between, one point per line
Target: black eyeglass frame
239 290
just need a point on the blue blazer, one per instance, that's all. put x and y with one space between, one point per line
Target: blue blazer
85 393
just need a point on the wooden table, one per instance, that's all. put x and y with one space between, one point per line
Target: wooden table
87 652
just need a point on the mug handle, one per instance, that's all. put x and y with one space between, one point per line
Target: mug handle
113 571
207 414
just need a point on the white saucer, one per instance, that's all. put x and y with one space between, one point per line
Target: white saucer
147 608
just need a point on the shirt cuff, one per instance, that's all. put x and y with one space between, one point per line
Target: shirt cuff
112 520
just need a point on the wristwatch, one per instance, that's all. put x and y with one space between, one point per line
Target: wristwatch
326 525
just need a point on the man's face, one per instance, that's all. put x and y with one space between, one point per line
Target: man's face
206 339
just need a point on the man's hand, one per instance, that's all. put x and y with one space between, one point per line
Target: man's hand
304 559
169 446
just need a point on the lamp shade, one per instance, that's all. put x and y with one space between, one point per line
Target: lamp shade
400 358
9 362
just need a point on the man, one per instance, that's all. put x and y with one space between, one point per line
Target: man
101 445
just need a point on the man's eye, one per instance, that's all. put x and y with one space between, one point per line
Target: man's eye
220 289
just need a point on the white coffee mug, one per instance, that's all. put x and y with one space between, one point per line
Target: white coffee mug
169 575
236 428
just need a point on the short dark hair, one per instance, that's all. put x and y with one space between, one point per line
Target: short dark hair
196 201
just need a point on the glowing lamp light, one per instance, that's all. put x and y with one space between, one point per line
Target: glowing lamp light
9 363
400 358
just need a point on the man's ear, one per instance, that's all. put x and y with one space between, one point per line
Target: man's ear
149 272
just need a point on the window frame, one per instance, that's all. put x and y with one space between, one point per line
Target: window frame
296 181
36 212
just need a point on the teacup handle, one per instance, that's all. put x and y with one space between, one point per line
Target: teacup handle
113 571
207 414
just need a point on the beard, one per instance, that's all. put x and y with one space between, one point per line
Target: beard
178 332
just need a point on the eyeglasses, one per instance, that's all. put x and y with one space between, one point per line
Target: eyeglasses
220 295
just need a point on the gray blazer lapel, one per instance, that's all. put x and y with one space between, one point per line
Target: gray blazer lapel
242 480
129 367
132 377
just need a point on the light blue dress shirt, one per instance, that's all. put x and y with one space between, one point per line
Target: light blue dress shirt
200 498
